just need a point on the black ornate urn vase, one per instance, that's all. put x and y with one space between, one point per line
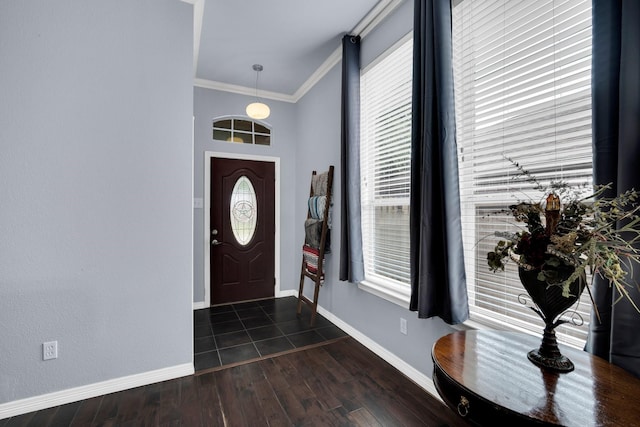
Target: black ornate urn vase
550 305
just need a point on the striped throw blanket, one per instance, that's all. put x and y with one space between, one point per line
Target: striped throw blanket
310 257
317 205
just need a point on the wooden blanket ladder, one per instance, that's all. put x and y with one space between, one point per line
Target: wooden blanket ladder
312 247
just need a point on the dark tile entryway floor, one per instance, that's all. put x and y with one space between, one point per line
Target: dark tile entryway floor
234 333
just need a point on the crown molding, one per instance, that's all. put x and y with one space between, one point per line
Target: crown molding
364 27
317 75
377 14
242 90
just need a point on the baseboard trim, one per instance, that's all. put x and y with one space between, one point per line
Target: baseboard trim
44 401
200 304
412 373
36 403
287 293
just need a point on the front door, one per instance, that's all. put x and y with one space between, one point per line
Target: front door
242 233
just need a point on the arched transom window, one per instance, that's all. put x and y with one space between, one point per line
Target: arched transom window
242 131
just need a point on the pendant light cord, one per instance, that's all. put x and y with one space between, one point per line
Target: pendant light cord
257 68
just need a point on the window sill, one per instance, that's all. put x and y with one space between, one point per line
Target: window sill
389 292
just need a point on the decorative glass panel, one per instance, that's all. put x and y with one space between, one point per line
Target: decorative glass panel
244 209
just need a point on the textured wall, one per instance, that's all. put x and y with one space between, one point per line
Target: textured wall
96 107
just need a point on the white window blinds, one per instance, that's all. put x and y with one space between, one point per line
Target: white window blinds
522 72
385 90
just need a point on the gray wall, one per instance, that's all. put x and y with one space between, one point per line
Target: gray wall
96 105
209 104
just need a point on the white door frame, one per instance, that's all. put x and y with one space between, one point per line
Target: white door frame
208 155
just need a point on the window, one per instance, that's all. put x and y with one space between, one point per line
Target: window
385 91
522 73
241 131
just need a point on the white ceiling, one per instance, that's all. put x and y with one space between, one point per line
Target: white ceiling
296 41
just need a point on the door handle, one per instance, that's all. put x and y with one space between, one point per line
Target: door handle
214 242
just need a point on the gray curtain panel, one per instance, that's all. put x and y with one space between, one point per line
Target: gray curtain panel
438 280
351 261
616 152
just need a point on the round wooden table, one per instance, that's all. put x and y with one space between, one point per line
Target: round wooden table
486 378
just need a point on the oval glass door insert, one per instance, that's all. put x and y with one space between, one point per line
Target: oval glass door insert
243 208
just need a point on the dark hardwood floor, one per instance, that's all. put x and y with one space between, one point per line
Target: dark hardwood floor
338 383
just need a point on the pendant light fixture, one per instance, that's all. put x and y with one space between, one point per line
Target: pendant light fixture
258 110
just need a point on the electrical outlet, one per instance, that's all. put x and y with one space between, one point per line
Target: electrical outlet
403 326
50 350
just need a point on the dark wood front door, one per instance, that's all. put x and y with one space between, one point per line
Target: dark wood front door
242 230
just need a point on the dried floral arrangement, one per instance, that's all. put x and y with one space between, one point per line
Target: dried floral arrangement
576 229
